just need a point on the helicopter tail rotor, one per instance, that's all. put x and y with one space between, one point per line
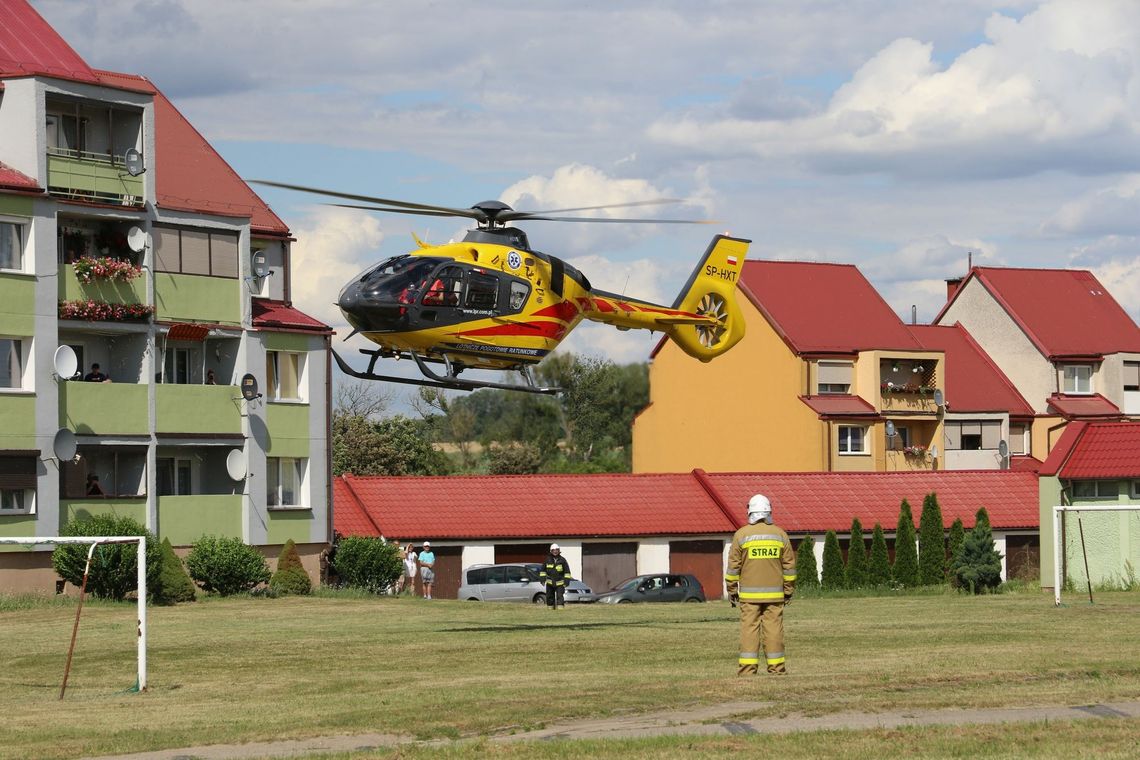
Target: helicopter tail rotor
711 293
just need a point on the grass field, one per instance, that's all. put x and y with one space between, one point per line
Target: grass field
233 670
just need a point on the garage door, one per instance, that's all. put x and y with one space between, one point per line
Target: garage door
702 559
448 570
1023 557
521 553
605 565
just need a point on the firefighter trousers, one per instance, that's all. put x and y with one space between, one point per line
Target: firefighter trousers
555 595
761 629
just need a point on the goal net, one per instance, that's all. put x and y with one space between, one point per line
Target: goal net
94 542
1095 547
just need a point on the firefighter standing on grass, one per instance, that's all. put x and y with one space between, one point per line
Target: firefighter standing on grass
556 574
761 577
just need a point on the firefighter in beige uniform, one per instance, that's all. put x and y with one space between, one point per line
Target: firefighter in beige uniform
761 577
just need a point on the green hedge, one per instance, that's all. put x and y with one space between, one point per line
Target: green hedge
114 567
226 566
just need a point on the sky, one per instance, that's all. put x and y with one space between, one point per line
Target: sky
905 137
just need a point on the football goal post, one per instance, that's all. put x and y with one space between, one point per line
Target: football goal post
1066 542
94 542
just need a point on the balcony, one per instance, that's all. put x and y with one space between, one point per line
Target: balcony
185 519
105 290
197 409
103 408
81 175
84 509
197 298
901 461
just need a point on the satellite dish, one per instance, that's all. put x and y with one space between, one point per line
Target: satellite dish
249 387
1003 448
258 264
235 464
66 363
890 429
136 239
64 444
134 162
939 399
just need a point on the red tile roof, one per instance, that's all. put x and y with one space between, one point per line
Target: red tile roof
1065 312
817 502
1096 450
29 46
839 405
1095 405
823 308
352 519
11 179
973 383
281 314
1024 463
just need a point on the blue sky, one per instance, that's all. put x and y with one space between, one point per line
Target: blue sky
900 136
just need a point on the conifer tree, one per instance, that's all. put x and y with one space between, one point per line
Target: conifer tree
290 577
833 572
982 516
807 573
957 540
931 543
857 571
879 569
905 570
979 566
174 584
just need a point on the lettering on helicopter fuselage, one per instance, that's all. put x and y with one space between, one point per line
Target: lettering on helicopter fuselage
724 274
477 312
514 350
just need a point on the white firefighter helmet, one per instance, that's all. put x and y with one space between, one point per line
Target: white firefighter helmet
554 547
759 508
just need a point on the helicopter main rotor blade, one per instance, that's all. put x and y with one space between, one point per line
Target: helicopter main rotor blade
367 198
419 212
507 215
610 220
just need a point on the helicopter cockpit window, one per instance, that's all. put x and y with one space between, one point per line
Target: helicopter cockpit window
399 279
445 288
482 291
519 291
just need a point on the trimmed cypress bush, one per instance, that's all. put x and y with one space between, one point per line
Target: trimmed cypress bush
290 576
982 516
807 573
834 576
905 570
879 568
114 567
979 566
226 566
957 540
857 571
174 585
931 543
367 563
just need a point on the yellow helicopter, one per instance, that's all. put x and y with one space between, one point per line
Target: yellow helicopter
493 302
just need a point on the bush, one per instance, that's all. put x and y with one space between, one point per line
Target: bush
226 566
114 567
905 570
955 544
879 572
931 543
982 516
979 567
834 576
857 571
807 574
174 584
367 563
290 577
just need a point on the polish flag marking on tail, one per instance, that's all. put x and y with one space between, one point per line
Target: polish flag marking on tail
732 261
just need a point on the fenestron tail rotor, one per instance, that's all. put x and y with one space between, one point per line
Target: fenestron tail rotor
712 305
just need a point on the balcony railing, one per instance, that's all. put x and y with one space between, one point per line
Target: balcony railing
92 176
105 290
103 408
185 519
197 409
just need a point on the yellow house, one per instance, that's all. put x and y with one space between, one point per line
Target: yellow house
825 365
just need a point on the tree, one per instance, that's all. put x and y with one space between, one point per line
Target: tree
857 570
226 565
290 576
453 422
367 562
393 446
982 516
174 585
833 576
114 567
905 570
879 572
807 574
361 398
931 543
956 542
515 458
979 566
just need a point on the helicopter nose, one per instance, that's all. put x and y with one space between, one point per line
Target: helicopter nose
366 312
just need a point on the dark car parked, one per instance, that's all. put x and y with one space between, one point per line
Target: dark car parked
655 587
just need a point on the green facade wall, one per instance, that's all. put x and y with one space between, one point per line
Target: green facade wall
17 526
194 298
288 430
85 509
108 291
18 421
295 524
197 409
103 408
185 519
17 305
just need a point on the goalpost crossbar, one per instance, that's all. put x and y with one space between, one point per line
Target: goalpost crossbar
1057 548
141 563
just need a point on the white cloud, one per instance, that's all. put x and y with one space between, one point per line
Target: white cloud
1110 210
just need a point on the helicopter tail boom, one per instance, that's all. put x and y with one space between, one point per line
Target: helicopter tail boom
710 293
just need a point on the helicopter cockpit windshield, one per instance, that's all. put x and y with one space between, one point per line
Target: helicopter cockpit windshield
398 279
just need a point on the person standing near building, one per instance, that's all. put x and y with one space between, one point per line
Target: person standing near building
427 568
761 578
408 577
556 573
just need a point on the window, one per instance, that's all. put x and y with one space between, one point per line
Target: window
972 435
176 368
1095 489
519 291
901 439
175 477
1132 376
66 133
283 375
13 359
11 245
852 439
1077 378
1017 438
201 252
17 483
833 377
482 291
284 477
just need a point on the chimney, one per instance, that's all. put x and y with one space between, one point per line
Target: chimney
952 285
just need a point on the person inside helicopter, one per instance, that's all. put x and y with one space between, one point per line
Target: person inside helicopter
444 291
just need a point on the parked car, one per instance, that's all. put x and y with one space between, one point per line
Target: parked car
656 587
515 582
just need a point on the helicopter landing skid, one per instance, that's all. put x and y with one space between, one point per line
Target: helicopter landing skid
433 379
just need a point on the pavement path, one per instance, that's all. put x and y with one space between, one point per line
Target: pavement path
728 719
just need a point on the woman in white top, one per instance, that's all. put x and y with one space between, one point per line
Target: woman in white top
410 558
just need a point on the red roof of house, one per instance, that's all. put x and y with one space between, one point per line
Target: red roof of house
11 179
351 518
282 315
1025 463
1065 312
823 308
819 501
839 405
1073 406
1096 450
29 46
973 383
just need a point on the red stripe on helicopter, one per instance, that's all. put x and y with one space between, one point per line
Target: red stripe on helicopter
566 311
528 329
